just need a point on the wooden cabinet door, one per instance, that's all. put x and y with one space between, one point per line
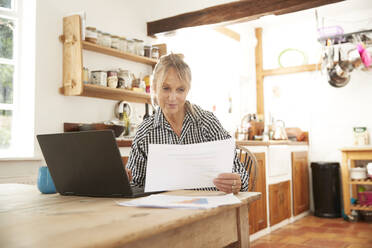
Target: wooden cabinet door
257 210
300 182
279 202
285 200
274 203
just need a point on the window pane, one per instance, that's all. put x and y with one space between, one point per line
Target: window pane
6 83
5 128
6 4
6 38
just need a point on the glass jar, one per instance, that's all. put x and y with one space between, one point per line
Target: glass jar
155 52
85 75
115 42
112 79
99 37
147 51
91 34
122 44
131 47
125 79
99 78
139 47
106 40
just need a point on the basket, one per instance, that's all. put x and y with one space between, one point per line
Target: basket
365 198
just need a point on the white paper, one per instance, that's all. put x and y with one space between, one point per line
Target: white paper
171 167
174 201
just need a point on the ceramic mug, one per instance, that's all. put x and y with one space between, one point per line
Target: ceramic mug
45 182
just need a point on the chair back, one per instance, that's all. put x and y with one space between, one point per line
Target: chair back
250 164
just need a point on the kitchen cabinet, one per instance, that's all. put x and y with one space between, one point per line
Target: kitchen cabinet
279 202
351 154
300 182
257 210
73 66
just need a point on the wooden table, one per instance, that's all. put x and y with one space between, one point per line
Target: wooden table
351 154
31 219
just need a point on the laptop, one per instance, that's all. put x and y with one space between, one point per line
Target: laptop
87 163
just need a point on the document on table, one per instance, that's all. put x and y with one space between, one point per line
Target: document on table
171 167
175 201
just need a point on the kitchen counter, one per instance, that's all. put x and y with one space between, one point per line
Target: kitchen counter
270 143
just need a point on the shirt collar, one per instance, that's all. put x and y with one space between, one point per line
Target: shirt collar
161 121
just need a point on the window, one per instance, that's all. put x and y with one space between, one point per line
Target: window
17 20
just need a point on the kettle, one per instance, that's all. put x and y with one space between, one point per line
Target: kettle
279 131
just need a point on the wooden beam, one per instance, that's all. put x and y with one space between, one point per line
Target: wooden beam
292 69
232 12
228 32
259 73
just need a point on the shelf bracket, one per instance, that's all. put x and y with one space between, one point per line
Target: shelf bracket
72 56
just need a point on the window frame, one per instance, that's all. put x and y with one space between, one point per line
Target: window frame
23 14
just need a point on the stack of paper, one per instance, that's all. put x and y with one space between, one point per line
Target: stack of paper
174 201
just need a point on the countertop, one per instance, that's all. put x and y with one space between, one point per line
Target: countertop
128 142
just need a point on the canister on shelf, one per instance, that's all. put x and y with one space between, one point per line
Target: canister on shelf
112 79
122 44
139 47
91 34
155 52
125 79
106 40
131 47
99 78
147 51
115 41
85 75
99 37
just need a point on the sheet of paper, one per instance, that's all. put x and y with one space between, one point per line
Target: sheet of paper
174 201
171 167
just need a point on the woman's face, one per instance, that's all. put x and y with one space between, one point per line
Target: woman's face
172 94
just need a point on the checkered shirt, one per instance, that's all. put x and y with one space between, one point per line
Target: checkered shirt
198 126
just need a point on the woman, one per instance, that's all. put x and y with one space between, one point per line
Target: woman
177 121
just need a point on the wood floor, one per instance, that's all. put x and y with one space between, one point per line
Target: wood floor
315 232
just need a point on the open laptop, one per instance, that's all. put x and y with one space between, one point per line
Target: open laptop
87 163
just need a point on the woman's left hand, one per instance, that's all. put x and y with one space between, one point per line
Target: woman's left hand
228 182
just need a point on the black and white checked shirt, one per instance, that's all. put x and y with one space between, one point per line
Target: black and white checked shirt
198 127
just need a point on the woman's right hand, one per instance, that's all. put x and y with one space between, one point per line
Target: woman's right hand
129 174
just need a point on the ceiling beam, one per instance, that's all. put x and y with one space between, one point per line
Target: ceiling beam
233 12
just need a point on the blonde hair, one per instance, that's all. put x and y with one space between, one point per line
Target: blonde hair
161 69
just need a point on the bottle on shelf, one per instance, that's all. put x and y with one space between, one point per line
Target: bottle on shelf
124 120
146 111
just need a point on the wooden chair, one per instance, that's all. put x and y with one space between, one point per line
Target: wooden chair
250 164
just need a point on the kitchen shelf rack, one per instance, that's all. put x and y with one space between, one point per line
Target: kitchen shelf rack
346 38
91 90
73 66
350 155
361 181
360 207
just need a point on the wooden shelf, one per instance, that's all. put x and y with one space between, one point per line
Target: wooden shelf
361 207
292 69
119 54
362 181
91 90
73 66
